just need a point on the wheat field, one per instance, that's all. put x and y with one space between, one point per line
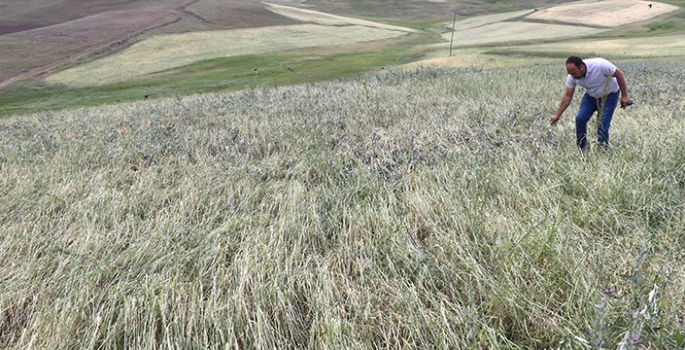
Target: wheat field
310 16
479 21
426 208
645 48
163 52
605 13
504 32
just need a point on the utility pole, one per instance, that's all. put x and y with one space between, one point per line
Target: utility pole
453 22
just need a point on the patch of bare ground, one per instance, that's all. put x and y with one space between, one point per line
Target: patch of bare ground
97 29
42 13
9 28
236 14
37 51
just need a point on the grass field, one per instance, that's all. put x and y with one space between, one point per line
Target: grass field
660 47
360 195
60 21
415 209
309 16
150 72
171 51
507 32
483 59
479 21
606 13
228 74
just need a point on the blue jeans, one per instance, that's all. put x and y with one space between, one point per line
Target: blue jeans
588 106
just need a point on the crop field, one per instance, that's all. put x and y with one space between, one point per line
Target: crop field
411 209
607 13
503 32
412 10
44 13
63 41
484 59
67 33
480 21
309 16
164 52
666 46
514 56
234 14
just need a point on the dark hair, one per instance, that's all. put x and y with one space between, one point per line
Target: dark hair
577 61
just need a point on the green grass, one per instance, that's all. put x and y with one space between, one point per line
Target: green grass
225 74
414 209
673 23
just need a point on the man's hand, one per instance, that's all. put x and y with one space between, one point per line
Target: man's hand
625 101
555 118
565 101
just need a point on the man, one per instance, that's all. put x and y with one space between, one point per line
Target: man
602 82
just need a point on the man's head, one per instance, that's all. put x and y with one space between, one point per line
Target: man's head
576 67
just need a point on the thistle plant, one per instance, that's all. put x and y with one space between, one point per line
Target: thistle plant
641 323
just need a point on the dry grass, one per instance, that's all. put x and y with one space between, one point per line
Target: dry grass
503 32
480 21
317 17
169 51
414 209
475 57
606 13
666 46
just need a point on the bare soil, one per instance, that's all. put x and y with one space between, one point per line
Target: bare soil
8 28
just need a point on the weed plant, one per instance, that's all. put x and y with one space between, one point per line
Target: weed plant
417 209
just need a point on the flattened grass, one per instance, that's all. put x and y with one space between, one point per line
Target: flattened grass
423 208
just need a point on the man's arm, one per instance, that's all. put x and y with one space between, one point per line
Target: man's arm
565 101
621 80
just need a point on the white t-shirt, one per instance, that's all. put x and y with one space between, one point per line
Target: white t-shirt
598 69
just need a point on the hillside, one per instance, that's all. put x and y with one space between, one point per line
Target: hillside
427 208
40 37
57 55
376 189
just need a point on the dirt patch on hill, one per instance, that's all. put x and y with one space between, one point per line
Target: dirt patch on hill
98 29
236 14
31 52
8 28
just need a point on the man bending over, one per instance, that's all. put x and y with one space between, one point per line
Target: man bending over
602 82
